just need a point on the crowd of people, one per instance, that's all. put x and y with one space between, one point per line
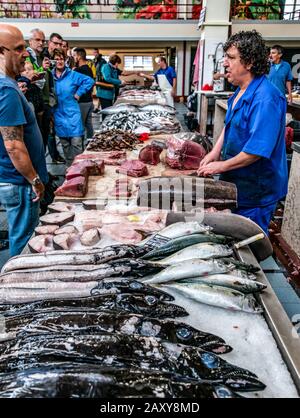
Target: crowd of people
41 83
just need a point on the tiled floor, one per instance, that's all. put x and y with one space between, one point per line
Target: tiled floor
278 281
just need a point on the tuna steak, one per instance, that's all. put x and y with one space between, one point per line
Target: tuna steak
90 237
60 218
46 229
41 243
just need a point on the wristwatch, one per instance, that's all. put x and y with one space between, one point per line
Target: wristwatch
36 181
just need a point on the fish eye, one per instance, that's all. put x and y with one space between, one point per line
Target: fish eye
209 360
184 333
151 300
135 285
223 392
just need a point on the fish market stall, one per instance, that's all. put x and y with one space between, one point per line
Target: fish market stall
135 317
121 297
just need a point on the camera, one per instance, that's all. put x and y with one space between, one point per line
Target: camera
53 63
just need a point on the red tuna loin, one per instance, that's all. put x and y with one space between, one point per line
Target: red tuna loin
76 170
93 167
184 155
76 187
133 168
150 154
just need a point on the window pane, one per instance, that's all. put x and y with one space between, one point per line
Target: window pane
138 63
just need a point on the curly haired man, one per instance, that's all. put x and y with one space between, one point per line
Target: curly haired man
250 151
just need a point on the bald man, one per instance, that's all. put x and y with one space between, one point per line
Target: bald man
23 171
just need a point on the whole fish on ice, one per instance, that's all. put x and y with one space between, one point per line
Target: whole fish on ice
187 269
218 296
181 243
147 305
81 380
126 351
37 323
228 280
202 251
80 257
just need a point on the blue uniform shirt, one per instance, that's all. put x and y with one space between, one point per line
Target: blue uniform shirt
281 75
15 111
169 72
256 126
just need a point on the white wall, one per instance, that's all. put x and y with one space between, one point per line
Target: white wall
114 30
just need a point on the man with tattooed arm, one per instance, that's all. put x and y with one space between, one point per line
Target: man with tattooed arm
23 171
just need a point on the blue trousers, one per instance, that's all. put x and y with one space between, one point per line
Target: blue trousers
262 216
22 214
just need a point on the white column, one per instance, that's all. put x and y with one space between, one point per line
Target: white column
214 31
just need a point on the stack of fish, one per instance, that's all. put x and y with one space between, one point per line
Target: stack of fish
74 326
112 140
131 87
128 108
157 121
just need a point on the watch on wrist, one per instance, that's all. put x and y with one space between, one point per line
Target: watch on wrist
36 181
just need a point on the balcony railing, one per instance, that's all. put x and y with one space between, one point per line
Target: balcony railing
265 10
101 9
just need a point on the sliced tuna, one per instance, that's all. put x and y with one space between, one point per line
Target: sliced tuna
61 207
41 243
68 229
90 237
46 229
60 219
63 241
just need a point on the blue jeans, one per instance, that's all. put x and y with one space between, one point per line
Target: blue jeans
22 214
262 216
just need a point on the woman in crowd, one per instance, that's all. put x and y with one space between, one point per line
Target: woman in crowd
108 86
69 87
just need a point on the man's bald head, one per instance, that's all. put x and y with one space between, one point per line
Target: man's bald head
9 33
12 50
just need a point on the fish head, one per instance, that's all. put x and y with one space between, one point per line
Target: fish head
191 336
251 305
234 377
223 392
136 287
149 305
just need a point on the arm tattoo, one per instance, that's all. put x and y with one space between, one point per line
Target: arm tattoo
12 133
